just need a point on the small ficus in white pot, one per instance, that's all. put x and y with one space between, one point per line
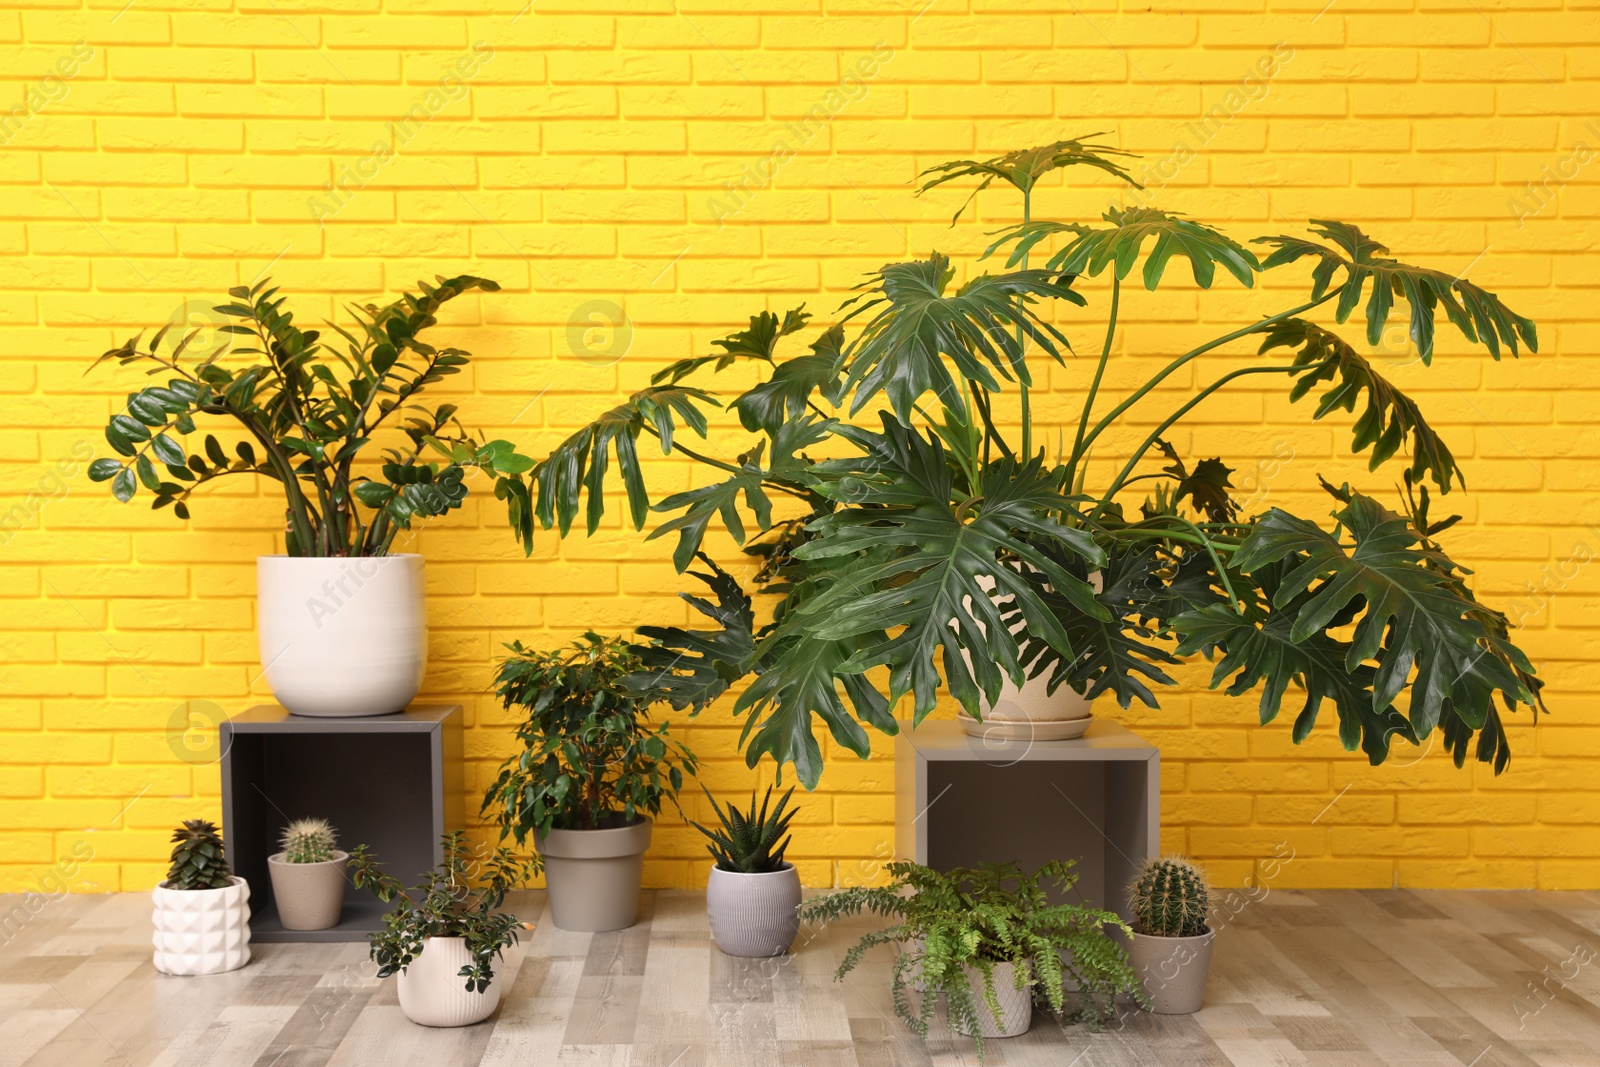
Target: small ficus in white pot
308 876
202 909
754 892
1170 947
332 420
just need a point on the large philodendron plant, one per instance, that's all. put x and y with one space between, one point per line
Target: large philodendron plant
311 407
906 504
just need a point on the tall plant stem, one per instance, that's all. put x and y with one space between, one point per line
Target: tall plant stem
1195 353
1099 372
1027 415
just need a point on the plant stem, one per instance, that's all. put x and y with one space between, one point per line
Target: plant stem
1099 372
1027 417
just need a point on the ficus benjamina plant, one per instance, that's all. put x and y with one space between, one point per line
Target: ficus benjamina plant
913 542
309 406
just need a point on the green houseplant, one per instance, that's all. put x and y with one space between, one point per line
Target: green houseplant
308 876
907 534
1170 946
333 421
202 909
445 929
593 768
990 941
753 894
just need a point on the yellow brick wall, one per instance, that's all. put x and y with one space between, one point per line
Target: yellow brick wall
167 149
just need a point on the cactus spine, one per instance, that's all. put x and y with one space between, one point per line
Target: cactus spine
1169 899
197 857
308 841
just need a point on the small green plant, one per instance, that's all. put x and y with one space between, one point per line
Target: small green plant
446 904
591 756
198 861
308 841
747 842
1170 899
967 920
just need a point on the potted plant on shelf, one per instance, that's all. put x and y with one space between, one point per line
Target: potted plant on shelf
443 936
342 621
308 876
754 892
592 770
1170 946
895 475
202 909
990 942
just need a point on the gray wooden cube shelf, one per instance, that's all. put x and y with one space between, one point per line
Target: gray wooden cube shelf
960 800
393 782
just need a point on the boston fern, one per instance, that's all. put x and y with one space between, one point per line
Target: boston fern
311 407
446 904
886 502
951 923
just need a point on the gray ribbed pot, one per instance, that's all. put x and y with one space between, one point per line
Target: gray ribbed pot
308 895
593 876
754 915
1173 970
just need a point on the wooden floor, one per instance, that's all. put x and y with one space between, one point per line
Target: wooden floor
1452 979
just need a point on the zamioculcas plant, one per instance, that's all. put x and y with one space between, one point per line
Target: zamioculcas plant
886 499
311 406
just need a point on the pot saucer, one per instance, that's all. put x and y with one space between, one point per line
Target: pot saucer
1006 730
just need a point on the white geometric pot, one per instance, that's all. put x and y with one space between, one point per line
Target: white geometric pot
1016 1005
593 876
1173 970
753 915
342 636
202 931
432 991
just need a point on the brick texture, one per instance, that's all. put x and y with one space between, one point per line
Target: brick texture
156 153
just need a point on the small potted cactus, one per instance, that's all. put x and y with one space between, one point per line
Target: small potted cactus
202 909
754 892
1170 949
308 876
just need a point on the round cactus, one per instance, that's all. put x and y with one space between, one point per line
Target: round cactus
308 841
1169 899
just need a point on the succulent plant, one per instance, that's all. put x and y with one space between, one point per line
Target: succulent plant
1170 899
197 857
307 841
747 843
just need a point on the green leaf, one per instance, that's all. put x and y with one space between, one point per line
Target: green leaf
373 494
691 668
1389 420
147 473
917 325
1478 314
758 342
788 392
123 486
103 470
1092 250
1022 168
167 450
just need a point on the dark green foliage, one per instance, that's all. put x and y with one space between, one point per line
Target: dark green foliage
1170 899
591 756
312 410
446 904
747 842
950 923
198 861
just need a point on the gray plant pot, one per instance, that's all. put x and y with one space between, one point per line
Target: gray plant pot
308 895
754 915
1173 970
593 876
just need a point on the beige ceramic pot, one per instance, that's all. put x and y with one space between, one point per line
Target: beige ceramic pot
433 993
593 876
1173 970
309 896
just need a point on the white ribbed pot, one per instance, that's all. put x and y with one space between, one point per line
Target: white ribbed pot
432 991
342 636
754 915
1173 970
1016 1005
593 876
308 896
202 931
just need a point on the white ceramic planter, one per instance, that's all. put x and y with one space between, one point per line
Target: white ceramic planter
1016 1005
202 931
308 896
1173 970
754 915
342 637
433 993
593 876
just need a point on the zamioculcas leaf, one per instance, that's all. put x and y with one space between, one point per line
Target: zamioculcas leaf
123 486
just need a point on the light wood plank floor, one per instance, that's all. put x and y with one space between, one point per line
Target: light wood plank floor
1333 979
